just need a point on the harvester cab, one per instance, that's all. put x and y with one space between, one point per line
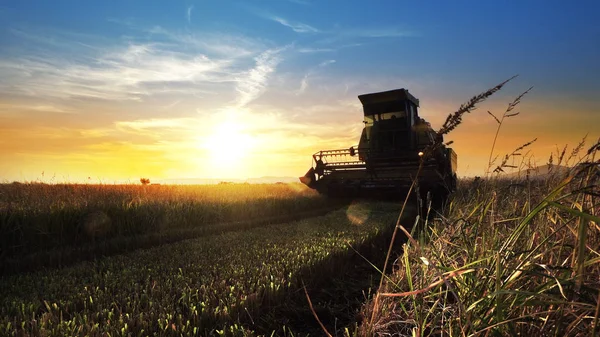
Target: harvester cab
388 155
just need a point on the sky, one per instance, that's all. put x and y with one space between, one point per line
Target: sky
117 90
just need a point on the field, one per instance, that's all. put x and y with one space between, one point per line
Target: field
220 282
54 225
505 257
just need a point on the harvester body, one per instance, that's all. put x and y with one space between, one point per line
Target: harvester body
389 153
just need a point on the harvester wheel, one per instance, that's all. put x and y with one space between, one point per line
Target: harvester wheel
439 197
453 183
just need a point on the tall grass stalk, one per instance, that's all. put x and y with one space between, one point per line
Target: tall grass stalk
452 121
507 114
510 257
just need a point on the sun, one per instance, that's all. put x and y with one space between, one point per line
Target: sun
229 146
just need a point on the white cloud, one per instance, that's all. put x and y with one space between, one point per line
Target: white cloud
298 27
156 123
211 43
251 85
219 44
171 105
303 85
304 82
189 13
35 107
315 50
116 75
49 108
134 70
326 63
312 50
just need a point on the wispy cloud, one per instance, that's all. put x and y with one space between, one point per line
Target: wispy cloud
297 27
310 50
354 37
49 108
333 48
171 105
154 124
134 70
252 83
35 107
118 75
218 44
189 13
304 81
303 85
326 63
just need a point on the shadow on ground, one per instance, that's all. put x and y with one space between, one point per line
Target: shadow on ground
338 287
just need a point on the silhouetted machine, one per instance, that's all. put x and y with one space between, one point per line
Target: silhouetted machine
388 155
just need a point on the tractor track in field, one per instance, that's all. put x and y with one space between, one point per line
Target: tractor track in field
70 255
338 300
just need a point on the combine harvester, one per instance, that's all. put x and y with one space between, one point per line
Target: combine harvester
388 155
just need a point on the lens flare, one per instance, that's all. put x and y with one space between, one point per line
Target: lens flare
358 213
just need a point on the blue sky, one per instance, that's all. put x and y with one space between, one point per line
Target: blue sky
118 89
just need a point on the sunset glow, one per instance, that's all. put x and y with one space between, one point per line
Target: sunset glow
236 90
229 147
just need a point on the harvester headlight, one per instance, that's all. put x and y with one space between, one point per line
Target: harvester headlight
420 153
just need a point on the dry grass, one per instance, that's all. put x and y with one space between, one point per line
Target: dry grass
508 257
39 218
511 257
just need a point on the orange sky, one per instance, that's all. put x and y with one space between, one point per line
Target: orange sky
243 143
